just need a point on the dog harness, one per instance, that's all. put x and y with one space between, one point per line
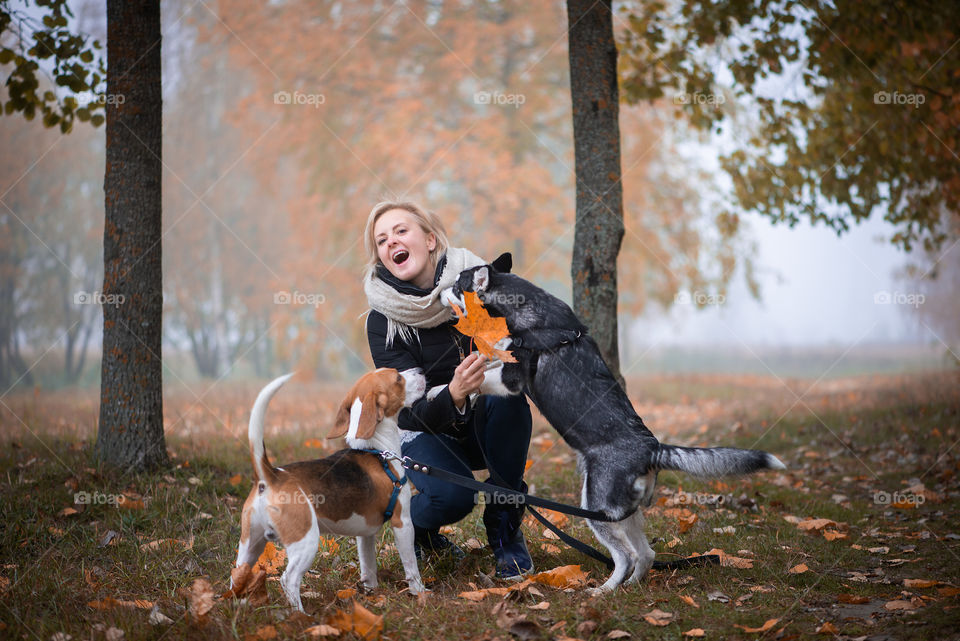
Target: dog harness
398 483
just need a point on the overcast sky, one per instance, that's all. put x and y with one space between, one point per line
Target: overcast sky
816 289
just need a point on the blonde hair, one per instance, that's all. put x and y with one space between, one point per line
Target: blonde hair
427 220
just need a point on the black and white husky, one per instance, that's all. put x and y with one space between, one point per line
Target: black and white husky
560 368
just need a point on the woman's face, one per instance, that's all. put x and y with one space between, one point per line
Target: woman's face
404 248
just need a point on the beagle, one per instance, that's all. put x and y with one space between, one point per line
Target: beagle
348 493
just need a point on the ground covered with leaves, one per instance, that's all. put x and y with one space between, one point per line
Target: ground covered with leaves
858 539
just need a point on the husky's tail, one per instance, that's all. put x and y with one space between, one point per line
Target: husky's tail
711 462
258 454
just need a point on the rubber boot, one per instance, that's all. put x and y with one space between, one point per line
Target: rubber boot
502 523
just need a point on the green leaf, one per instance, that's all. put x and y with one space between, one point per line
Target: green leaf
97 120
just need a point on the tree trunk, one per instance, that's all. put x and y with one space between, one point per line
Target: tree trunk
130 434
596 139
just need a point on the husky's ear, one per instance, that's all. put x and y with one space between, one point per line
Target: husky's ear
503 263
481 279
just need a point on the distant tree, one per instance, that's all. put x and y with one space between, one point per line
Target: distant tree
845 109
596 141
130 434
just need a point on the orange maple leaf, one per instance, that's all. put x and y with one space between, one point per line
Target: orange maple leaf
484 329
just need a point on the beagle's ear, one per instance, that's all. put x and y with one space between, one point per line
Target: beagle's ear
342 422
371 414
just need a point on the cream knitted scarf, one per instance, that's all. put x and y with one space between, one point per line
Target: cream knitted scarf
406 311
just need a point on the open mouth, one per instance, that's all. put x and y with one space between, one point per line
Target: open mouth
400 256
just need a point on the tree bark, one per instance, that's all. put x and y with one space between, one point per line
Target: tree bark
130 434
596 137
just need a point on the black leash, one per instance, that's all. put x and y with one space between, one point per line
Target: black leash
492 491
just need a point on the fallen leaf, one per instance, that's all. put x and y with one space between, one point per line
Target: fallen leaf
727 560
899 605
619 634
763 628
360 621
130 502
201 601
815 524
109 603
158 618
689 600
827 628
485 330
686 522
346 594
695 632
68 511
265 633
248 583
853 599
272 559
798 569
716 595
948 591
658 617
236 479
833 535
322 630
920 583
543 605
114 634
567 576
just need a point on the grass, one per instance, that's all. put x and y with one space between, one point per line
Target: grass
848 445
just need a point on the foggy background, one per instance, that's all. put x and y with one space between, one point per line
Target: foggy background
278 141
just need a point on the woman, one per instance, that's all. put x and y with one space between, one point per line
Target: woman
453 428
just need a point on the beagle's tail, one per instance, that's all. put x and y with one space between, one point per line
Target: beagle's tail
711 462
258 454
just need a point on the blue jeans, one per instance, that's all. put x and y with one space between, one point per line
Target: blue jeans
501 432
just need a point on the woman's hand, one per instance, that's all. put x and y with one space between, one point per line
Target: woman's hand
467 378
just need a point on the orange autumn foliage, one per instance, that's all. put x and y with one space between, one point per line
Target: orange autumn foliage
485 330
